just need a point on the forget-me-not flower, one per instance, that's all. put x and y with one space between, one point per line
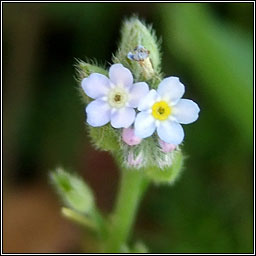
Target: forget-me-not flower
115 97
164 110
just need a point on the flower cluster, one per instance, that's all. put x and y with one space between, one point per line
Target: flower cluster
137 109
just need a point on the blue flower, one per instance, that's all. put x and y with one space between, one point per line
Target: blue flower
164 110
115 97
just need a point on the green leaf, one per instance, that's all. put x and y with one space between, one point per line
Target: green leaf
79 219
169 174
105 138
84 69
73 191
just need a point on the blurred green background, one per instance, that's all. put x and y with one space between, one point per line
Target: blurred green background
208 45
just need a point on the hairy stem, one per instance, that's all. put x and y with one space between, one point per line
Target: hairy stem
132 186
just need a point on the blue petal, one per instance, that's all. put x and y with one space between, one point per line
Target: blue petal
171 89
170 132
119 75
123 118
98 113
137 93
96 85
186 111
144 125
148 101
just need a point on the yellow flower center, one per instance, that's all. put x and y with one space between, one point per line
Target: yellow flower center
161 110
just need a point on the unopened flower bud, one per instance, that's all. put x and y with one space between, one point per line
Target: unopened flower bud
135 161
129 137
166 147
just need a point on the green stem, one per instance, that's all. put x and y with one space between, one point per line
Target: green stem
132 186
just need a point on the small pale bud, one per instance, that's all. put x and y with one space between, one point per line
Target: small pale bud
166 147
129 137
134 161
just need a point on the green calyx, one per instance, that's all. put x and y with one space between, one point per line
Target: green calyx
169 174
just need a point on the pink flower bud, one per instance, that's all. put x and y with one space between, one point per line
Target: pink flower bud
134 161
166 147
129 137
